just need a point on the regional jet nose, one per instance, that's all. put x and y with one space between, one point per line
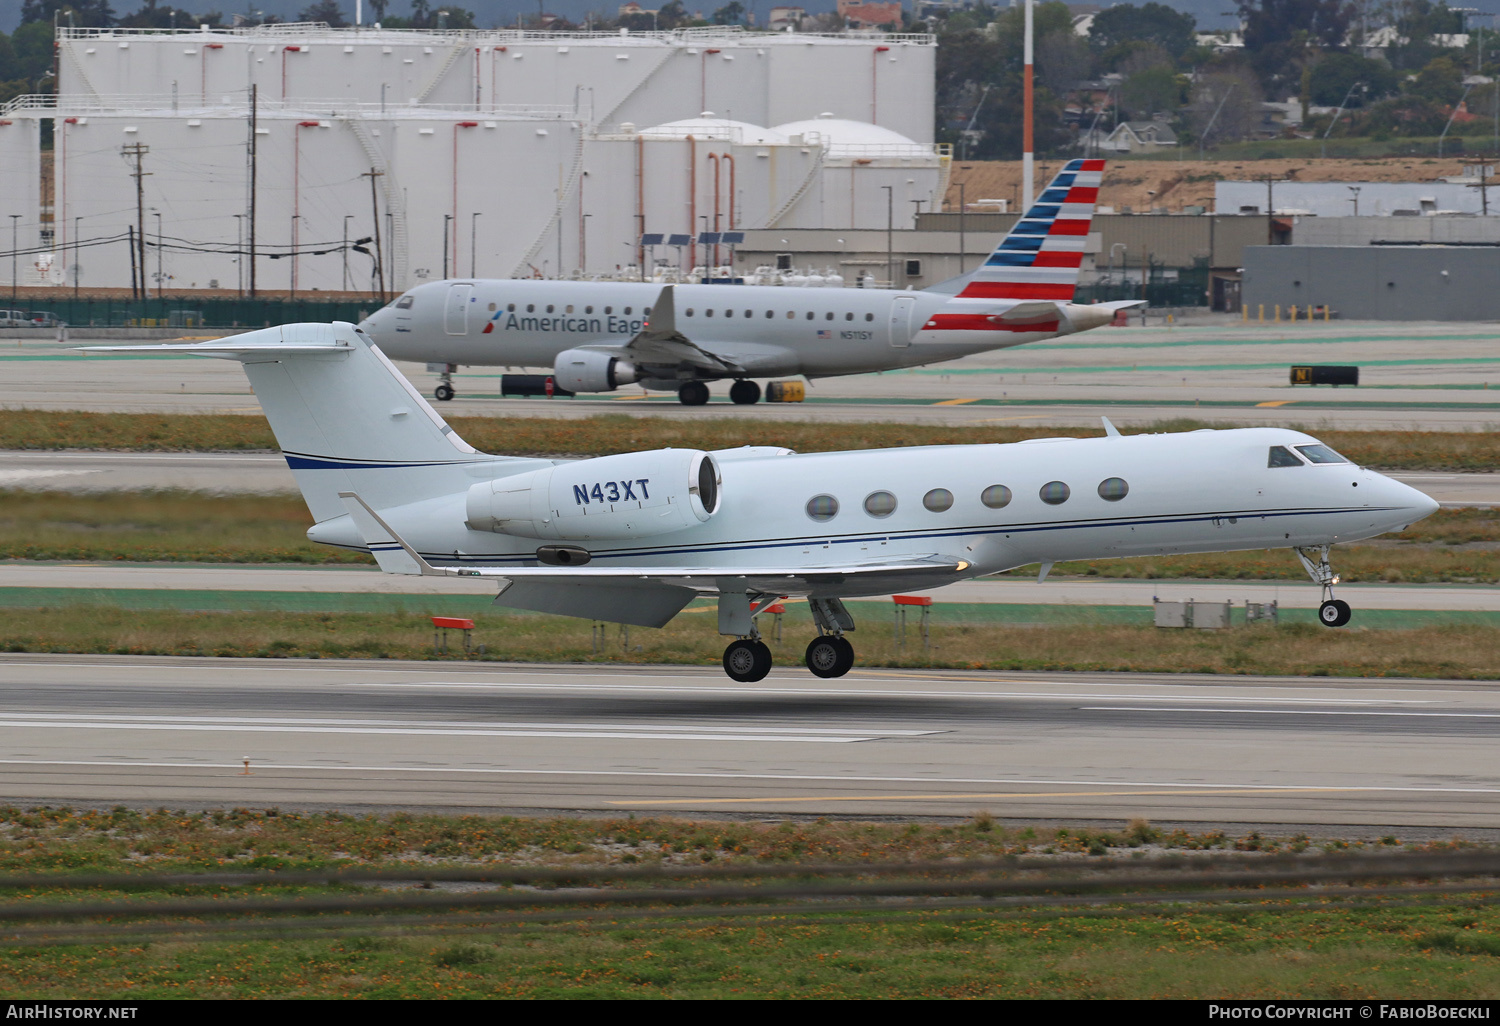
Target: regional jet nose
1407 504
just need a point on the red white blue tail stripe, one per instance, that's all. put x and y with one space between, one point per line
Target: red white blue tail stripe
1039 259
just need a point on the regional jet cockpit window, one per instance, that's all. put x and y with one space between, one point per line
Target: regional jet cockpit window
404 303
1320 454
1281 456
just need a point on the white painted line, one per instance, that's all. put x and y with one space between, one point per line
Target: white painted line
930 781
85 719
409 732
1288 712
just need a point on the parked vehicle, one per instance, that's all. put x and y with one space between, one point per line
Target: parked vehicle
43 319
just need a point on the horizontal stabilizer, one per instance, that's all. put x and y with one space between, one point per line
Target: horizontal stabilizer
1025 313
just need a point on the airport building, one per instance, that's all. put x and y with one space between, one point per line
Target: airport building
499 153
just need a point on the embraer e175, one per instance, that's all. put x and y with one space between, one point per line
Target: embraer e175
599 335
634 537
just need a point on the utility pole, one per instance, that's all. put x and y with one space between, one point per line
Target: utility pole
372 174
254 119
447 218
137 151
134 294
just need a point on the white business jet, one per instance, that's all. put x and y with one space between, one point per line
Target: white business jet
634 537
599 335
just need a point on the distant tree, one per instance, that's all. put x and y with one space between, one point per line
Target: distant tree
671 15
419 14
453 17
1152 22
1441 82
1062 60
31 45
1236 88
324 10
379 6
86 13
732 13
1152 90
1336 73
1418 24
1281 36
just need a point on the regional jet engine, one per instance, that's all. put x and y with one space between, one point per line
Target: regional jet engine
631 495
592 370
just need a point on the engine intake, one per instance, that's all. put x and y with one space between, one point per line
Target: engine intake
592 370
632 495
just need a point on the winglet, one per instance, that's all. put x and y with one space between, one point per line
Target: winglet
663 319
393 554
1109 429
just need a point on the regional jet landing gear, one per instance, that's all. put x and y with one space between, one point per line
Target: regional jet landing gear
444 390
746 393
748 659
830 654
693 393
1333 612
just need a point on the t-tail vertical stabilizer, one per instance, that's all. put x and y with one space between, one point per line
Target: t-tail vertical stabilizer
345 418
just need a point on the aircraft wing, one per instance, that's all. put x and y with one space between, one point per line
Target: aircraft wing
660 342
649 595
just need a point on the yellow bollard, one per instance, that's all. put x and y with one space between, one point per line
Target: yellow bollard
1261 313
1278 313
1244 314
1325 313
1292 313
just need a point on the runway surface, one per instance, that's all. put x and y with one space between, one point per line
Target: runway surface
257 472
97 731
1413 376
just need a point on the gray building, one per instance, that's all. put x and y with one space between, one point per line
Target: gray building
1386 283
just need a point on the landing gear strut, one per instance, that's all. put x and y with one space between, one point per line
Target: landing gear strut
1333 612
444 390
745 393
692 393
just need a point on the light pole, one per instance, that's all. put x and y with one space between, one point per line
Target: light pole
15 219
446 219
474 243
1355 189
346 251
583 244
75 256
890 224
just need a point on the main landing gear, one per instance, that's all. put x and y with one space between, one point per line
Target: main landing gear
1333 612
745 393
748 658
692 393
444 390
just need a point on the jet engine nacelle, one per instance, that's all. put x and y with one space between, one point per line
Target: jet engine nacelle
632 495
592 370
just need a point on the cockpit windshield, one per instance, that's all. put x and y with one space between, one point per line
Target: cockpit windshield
1281 456
404 303
1320 454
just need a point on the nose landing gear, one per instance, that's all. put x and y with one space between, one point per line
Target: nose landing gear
1333 612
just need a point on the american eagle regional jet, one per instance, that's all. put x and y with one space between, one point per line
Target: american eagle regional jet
634 537
597 335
